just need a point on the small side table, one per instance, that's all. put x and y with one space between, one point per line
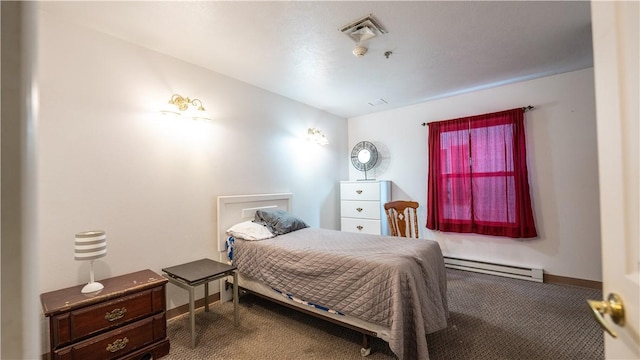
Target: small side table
192 274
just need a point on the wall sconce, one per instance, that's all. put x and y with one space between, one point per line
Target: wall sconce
183 106
317 136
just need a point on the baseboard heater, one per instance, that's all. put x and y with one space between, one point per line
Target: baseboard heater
516 272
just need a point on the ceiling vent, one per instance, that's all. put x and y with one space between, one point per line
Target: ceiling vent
377 102
363 29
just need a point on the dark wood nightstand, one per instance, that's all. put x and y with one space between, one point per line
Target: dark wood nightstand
125 320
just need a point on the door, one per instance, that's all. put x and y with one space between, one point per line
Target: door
615 43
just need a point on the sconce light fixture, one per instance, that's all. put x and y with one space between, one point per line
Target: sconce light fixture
183 106
91 245
316 135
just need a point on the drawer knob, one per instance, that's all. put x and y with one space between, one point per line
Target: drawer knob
360 227
359 209
359 192
115 314
118 345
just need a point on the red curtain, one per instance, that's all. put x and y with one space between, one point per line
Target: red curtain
478 178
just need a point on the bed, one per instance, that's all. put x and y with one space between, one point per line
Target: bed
388 287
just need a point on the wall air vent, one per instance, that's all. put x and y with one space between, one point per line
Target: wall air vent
363 29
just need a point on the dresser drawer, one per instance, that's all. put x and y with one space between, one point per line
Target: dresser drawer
360 209
80 323
117 342
362 226
360 191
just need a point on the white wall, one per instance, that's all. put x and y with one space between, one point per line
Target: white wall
563 169
108 160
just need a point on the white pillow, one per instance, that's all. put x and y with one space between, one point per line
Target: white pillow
249 230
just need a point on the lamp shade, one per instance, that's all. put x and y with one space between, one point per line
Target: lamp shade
90 245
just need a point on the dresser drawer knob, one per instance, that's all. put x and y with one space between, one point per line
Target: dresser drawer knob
359 209
360 227
118 345
115 314
359 192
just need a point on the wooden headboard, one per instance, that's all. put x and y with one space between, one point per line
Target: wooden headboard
237 208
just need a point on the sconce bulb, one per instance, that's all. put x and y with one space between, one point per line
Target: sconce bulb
317 136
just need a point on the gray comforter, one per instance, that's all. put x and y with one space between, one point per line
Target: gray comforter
396 282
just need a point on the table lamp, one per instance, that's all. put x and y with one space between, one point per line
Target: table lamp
91 245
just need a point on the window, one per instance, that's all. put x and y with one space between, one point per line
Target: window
478 178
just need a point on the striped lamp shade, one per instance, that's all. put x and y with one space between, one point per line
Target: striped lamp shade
90 245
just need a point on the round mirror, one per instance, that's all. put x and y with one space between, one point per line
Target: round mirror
364 156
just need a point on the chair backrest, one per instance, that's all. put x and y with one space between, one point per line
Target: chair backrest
403 218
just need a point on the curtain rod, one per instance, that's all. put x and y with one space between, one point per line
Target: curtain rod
524 108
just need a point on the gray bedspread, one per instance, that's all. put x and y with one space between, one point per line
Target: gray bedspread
396 282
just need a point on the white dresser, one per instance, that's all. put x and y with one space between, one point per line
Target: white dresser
362 206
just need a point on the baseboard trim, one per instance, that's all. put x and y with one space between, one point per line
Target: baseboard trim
563 280
183 309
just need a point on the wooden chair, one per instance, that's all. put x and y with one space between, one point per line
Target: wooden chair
403 218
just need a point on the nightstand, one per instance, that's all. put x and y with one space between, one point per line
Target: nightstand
125 320
200 272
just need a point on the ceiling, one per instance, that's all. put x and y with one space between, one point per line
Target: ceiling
295 48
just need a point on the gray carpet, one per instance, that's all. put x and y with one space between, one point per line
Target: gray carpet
490 318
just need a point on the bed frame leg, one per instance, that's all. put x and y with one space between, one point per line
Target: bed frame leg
366 347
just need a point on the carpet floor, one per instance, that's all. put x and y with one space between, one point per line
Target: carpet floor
490 318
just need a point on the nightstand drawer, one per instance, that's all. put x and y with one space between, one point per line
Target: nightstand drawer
117 342
362 226
360 209
78 324
360 191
